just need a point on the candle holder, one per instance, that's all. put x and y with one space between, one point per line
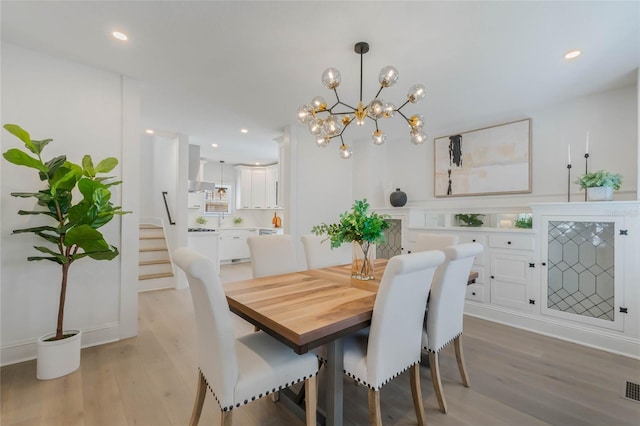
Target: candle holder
586 170
568 183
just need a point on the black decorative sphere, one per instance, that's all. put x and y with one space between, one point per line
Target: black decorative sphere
398 198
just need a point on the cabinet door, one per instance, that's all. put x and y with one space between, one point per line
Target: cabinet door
510 280
583 276
233 245
258 187
243 188
271 187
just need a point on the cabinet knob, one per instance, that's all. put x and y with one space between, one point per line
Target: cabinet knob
474 240
508 242
473 293
544 263
492 277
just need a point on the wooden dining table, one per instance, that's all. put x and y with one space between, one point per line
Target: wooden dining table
310 308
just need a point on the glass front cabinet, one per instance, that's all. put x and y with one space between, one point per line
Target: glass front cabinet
589 263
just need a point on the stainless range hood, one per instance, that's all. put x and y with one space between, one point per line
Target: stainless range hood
196 183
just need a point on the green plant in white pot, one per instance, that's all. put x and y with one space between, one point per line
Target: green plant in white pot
600 184
69 233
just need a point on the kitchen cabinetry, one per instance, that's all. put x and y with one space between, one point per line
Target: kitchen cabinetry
257 187
195 200
233 244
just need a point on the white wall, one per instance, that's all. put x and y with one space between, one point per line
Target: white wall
610 117
320 185
85 111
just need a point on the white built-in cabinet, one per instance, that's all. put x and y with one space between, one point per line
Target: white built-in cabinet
574 275
257 187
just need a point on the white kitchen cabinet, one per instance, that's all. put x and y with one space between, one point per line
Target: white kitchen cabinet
243 187
195 200
257 187
271 186
233 244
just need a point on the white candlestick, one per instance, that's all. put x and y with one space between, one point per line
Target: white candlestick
586 151
568 154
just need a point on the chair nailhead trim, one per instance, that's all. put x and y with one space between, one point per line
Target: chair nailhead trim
440 348
253 398
377 388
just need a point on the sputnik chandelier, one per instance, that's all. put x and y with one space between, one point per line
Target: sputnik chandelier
328 123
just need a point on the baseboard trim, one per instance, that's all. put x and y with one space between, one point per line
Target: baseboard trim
606 340
27 350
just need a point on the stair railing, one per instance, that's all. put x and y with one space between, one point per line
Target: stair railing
166 206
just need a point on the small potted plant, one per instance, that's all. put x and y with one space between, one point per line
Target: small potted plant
363 229
201 220
600 184
471 219
69 231
237 220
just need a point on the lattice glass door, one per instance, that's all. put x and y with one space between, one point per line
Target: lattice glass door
581 269
393 240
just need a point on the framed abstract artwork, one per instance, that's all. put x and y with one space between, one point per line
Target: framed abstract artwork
488 161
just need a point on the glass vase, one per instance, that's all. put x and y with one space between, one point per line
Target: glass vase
362 266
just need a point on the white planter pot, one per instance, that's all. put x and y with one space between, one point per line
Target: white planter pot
58 358
600 193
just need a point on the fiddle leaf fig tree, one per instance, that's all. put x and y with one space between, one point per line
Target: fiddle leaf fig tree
70 231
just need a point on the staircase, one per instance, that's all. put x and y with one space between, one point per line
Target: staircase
155 270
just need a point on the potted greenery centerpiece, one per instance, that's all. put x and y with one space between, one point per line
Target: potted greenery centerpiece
600 184
363 229
70 232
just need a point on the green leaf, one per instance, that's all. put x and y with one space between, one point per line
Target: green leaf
87 165
55 163
52 259
66 182
21 134
60 257
38 146
35 229
35 212
106 165
21 158
87 238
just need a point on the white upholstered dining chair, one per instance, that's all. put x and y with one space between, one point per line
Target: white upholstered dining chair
272 255
237 371
431 241
319 253
443 322
392 344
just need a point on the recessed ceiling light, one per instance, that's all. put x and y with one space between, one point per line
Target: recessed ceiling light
244 131
257 163
120 36
572 54
149 131
215 145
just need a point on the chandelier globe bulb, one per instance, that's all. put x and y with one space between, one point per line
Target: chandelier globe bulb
378 137
416 93
418 136
345 152
331 78
388 76
318 103
305 114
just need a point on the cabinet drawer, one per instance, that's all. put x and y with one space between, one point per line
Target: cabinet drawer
464 238
475 292
518 242
471 238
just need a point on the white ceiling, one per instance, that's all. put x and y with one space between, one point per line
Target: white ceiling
209 68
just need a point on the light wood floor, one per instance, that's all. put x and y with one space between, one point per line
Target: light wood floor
516 377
